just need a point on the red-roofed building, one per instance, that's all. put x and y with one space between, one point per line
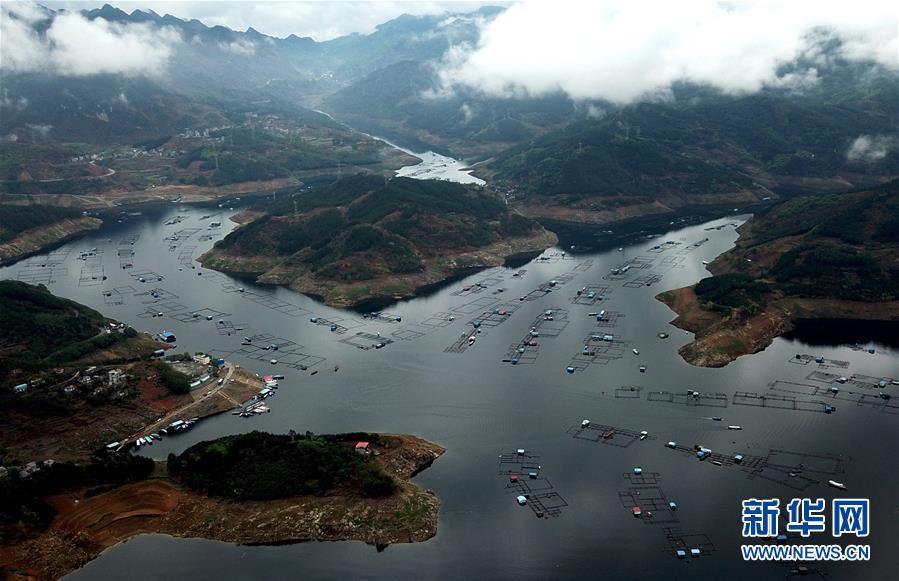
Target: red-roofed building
363 448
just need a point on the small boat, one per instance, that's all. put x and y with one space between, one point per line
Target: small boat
642 369
643 434
717 462
636 352
638 470
637 511
672 505
734 427
836 484
513 478
314 372
585 423
522 500
671 445
569 369
608 434
716 418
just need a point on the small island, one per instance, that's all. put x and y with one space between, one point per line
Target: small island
367 238
821 257
254 488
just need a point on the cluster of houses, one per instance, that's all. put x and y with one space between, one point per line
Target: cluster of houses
24 471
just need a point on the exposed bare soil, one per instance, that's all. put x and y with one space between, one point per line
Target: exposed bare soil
84 527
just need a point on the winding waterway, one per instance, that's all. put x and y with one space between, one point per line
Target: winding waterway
478 407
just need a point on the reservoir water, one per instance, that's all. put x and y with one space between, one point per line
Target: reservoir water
479 406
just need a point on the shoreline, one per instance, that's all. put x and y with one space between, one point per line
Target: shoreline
85 527
381 290
46 238
718 341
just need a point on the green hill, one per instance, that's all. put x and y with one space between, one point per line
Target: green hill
370 233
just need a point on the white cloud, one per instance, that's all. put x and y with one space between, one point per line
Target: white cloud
870 148
75 46
240 46
623 50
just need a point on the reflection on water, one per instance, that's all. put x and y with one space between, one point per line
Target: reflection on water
859 334
478 406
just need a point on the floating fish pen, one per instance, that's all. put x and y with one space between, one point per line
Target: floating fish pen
608 435
716 400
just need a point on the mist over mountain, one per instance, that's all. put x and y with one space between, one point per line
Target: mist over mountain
814 97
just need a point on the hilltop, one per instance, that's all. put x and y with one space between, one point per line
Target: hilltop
254 488
366 237
834 256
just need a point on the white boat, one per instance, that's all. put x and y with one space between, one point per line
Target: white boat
836 484
734 427
636 352
643 434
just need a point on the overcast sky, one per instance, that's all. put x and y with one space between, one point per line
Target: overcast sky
617 50
321 20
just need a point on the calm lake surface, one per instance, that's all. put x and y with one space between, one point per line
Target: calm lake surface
478 407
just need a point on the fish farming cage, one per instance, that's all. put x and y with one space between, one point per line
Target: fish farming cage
527 357
200 315
804 359
292 356
715 400
147 275
270 302
610 319
782 402
643 479
868 381
365 341
791 479
582 297
526 486
518 464
157 295
629 392
186 255
673 262
129 240
552 257
606 435
460 344
872 400
476 305
341 325
92 274
645 280
654 505
827 464
660 248
37 275
411 332
176 239
678 539
547 504
116 296
166 308
584 265
537 293
438 319
228 327
691 247
382 317
496 316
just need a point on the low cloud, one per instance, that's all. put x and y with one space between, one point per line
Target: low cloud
871 148
76 46
623 51
240 46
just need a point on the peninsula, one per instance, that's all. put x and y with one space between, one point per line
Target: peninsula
821 257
